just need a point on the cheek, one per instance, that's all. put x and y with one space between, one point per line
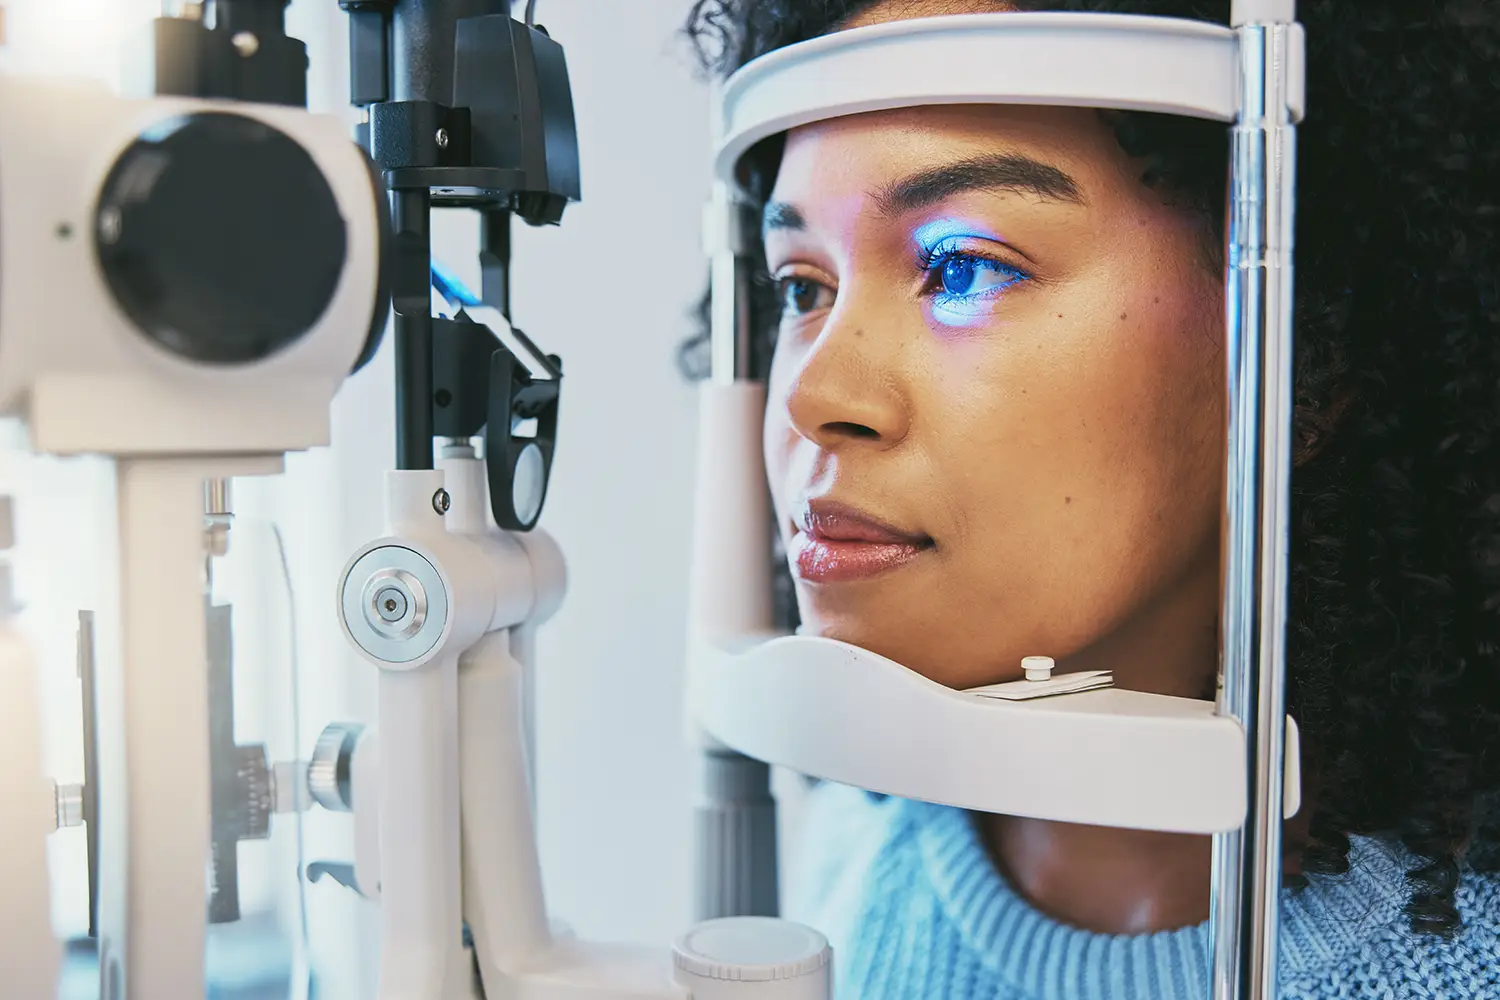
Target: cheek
1086 436
777 435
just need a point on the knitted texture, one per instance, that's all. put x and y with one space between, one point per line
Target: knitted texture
915 910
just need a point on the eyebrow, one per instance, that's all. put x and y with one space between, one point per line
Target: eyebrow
780 215
996 172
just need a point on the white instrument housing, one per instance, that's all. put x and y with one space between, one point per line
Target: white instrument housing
76 368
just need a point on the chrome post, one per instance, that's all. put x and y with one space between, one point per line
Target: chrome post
1247 862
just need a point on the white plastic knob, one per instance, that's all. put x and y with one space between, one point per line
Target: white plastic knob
754 958
1038 668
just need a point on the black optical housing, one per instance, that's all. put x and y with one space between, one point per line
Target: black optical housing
465 101
238 51
467 107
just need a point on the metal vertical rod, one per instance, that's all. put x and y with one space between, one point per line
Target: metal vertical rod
226 792
729 287
737 871
1247 862
216 497
86 673
412 297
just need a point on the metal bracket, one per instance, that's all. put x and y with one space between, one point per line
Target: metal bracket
243 796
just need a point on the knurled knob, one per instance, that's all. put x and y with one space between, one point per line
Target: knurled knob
740 958
328 771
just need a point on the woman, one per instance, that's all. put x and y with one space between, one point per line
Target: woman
994 344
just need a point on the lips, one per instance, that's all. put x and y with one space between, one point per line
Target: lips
837 543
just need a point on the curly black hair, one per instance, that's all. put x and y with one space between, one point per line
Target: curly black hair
1394 615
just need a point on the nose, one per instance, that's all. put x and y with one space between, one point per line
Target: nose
848 389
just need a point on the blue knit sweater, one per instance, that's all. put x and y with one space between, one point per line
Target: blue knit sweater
916 911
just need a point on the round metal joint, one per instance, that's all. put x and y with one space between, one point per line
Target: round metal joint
395 604
442 502
441 138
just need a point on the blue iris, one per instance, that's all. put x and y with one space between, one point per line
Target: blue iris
967 283
963 278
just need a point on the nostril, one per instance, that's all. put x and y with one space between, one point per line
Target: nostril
848 429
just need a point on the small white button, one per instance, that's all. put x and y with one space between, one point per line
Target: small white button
1038 668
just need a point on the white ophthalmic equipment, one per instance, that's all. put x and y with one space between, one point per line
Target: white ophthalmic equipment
171 381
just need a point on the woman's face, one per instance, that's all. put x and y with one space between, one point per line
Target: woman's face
995 417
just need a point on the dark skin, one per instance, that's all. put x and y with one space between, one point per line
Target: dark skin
1045 408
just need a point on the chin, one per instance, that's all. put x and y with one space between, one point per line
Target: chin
912 642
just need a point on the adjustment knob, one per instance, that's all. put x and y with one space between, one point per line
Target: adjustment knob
220 238
754 958
328 772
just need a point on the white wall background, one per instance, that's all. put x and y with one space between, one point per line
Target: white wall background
610 290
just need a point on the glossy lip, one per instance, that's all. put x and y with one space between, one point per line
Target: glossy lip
837 543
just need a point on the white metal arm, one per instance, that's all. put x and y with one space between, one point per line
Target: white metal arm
152 718
412 603
456 825
456 753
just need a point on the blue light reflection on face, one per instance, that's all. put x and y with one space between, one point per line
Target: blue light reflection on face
968 282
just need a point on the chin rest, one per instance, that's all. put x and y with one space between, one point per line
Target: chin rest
1106 757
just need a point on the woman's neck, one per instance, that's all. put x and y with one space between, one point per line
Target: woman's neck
1117 881
1102 879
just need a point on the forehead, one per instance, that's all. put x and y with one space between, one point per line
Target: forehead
861 153
883 11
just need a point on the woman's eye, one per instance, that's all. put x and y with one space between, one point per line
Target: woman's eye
964 276
964 287
800 296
